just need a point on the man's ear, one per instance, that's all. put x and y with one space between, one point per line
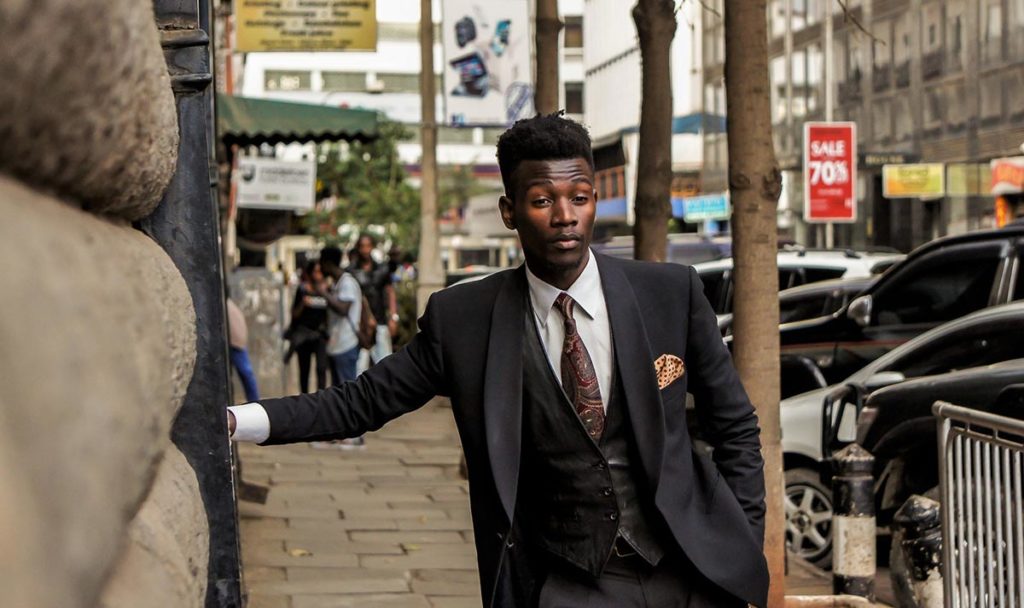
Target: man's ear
506 207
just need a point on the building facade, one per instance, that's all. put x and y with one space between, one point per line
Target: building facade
925 81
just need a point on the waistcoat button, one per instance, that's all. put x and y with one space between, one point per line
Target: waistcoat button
613 516
606 492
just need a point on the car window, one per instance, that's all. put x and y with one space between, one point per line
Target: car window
804 307
973 346
789 277
714 288
942 287
813 275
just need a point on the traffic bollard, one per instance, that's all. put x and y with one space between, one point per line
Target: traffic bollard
853 523
920 521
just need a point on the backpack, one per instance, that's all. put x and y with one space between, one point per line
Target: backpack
366 331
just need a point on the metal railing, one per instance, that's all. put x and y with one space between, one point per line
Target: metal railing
981 471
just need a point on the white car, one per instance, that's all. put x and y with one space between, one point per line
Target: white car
796 267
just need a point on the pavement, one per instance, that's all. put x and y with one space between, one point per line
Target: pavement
383 526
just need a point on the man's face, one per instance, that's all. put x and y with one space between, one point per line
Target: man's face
553 209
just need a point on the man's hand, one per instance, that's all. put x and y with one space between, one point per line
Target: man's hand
231 423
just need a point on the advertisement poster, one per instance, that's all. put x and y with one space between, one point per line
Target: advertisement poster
487 77
306 25
912 181
268 183
830 172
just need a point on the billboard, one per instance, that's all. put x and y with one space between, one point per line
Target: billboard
323 25
830 172
487 70
269 183
913 181
1008 175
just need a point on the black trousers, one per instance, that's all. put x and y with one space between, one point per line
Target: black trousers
633 583
307 351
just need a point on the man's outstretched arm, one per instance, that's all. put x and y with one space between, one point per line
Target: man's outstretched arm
398 384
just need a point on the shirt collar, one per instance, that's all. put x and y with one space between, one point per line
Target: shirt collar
586 291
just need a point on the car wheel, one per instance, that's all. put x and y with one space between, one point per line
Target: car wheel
809 517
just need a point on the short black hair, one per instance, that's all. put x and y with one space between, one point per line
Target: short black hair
330 255
543 137
367 235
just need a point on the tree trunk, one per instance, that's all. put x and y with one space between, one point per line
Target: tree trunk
545 98
430 273
754 185
656 26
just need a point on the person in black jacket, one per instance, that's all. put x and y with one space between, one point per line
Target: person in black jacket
307 334
568 379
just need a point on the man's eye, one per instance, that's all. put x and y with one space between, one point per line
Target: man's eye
540 202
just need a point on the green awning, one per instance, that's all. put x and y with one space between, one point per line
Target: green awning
248 121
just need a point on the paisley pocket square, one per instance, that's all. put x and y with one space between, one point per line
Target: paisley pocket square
668 368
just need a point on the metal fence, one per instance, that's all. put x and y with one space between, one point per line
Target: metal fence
981 474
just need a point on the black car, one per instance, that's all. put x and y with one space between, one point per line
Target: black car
811 301
897 425
940 281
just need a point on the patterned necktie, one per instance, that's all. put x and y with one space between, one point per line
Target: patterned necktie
579 379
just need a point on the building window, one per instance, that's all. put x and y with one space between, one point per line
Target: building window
882 130
574 32
955 19
400 83
815 78
992 97
799 80
286 80
345 82
777 18
903 124
992 31
956 104
574 97
798 20
933 110
777 74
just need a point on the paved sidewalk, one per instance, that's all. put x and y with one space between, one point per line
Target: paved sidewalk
385 526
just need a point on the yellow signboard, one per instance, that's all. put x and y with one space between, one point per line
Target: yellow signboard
306 25
912 181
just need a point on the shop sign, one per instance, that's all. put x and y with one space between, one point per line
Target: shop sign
830 172
1008 175
913 181
269 183
323 25
701 208
874 160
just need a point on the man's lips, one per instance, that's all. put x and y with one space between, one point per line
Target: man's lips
566 241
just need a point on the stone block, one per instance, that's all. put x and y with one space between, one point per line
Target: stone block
86 108
97 344
168 550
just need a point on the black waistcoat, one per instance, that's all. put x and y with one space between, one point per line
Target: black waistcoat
577 495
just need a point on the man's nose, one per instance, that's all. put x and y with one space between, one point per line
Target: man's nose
564 213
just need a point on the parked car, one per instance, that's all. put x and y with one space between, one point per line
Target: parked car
986 337
796 267
811 301
684 248
897 426
938 282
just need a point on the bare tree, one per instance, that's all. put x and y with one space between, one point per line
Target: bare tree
755 184
545 98
656 27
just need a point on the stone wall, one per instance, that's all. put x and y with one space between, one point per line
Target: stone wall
97 329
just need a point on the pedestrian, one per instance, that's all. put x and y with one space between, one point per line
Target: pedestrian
238 339
568 379
375 283
344 303
307 333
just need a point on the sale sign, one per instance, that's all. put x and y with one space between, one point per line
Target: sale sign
830 172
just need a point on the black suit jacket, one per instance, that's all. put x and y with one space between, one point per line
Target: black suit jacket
470 349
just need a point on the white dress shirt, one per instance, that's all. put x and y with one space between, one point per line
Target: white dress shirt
591 315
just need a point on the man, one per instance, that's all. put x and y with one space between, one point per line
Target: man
344 305
375 282
568 379
238 346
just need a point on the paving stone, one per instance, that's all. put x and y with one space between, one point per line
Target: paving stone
250 510
316 560
261 574
419 560
454 602
335 546
332 586
425 513
361 601
419 536
300 574
268 601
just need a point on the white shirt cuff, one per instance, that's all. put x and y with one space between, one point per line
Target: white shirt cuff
251 423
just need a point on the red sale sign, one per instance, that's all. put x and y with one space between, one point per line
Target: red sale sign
830 172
